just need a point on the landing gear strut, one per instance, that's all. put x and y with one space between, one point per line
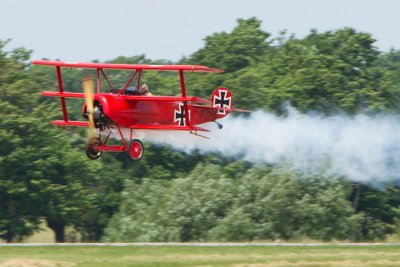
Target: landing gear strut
95 147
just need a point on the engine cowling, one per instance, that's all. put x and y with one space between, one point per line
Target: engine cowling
101 121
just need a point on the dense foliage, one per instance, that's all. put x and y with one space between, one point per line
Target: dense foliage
172 196
211 204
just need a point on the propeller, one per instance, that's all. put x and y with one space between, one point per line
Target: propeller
92 141
88 89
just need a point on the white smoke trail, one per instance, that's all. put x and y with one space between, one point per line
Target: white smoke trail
361 148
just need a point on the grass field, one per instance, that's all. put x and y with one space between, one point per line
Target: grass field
251 256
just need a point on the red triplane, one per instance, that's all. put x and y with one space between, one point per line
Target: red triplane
120 109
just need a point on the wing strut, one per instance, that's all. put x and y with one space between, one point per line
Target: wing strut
61 88
185 105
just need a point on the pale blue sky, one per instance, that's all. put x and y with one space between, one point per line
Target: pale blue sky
83 30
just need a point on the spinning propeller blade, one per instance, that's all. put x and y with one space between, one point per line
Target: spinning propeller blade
88 89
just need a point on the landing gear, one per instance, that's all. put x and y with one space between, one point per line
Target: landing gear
96 145
136 150
91 151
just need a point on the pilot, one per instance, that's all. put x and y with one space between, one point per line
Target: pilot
144 90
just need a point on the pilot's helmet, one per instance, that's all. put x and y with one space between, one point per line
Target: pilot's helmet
131 89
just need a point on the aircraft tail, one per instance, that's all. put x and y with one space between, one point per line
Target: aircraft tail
222 98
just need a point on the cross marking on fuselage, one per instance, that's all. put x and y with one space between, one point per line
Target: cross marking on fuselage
180 115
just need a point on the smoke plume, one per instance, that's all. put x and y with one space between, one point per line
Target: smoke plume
361 148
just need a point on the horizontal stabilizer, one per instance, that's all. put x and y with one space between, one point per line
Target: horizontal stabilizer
218 108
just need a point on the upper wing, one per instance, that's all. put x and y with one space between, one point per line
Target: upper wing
189 68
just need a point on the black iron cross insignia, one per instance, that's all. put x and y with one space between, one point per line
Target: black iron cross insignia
222 101
180 115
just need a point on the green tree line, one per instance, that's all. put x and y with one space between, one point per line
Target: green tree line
173 196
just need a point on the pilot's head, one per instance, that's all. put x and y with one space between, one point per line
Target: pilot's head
144 89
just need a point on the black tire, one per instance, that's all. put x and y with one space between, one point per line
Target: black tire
91 151
136 150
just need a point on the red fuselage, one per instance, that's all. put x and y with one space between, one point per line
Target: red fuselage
131 111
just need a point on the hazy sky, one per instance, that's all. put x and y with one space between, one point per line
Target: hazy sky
83 30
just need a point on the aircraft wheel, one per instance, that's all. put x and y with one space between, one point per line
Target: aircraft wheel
136 150
91 151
